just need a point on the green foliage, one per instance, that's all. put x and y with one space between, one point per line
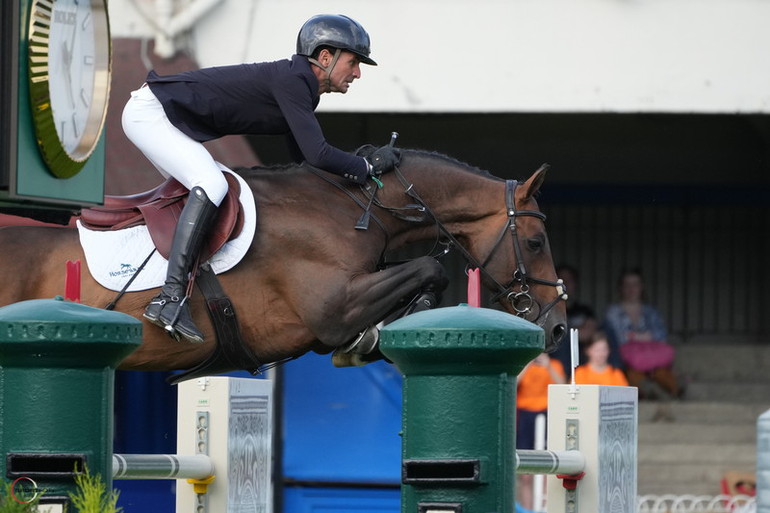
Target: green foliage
92 495
9 505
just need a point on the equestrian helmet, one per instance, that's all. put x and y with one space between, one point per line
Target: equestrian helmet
336 31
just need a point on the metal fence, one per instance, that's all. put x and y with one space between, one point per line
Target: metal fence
696 504
704 266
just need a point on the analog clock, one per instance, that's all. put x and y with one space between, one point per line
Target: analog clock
69 78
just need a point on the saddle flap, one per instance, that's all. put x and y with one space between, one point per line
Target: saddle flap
160 209
120 212
229 221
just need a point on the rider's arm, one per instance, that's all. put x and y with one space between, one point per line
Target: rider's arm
296 101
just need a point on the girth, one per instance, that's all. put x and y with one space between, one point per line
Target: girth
230 352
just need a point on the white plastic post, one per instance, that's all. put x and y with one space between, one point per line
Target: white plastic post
538 480
601 422
763 463
230 420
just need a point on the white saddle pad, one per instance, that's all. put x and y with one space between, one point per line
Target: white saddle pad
113 257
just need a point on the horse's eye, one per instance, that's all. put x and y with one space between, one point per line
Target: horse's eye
535 244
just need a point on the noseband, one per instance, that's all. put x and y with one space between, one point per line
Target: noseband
517 290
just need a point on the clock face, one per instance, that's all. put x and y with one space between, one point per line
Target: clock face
69 67
71 58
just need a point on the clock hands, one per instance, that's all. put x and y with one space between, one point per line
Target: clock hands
67 58
68 54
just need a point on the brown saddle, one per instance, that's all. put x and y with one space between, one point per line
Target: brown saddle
160 209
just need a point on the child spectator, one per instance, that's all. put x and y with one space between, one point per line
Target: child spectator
597 370
531 401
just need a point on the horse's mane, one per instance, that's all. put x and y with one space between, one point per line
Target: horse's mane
450 160
366 150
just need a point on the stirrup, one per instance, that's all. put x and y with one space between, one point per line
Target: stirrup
153 310
181 325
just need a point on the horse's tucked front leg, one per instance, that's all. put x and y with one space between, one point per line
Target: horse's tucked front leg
371 297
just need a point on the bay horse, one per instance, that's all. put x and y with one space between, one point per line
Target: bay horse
310 281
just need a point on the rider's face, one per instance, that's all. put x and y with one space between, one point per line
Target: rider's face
346 70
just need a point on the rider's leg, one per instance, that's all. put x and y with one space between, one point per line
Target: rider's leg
177 155
169 308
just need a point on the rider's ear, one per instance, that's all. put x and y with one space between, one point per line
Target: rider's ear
532 185
325 57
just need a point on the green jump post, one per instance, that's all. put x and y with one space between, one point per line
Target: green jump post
57 374
459 406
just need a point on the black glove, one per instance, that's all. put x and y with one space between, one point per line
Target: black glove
384 159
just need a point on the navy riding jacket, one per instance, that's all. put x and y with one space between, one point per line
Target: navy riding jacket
266 98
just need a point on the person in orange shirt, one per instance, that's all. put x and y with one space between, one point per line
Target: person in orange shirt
597 370
531 401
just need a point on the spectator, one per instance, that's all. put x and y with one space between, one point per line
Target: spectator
597 370
531 401
579 316
636 331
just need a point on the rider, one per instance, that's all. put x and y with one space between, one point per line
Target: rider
170 116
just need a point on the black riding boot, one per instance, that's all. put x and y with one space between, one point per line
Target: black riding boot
169 309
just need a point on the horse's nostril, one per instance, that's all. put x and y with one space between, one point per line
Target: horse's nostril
558 332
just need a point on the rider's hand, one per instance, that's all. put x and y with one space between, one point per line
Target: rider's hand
384 159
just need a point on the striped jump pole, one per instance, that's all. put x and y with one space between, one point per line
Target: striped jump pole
161 466
550 462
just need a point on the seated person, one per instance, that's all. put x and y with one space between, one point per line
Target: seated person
633 320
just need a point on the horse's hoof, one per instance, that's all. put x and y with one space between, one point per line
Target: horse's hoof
340 359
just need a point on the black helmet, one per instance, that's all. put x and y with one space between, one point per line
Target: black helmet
337 31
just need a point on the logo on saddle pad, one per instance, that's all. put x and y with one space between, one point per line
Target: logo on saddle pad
125 269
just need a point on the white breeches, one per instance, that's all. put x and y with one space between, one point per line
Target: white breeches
171 151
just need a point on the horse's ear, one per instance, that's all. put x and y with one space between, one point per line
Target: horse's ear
532 185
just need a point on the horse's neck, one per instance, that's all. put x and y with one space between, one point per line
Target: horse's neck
458 198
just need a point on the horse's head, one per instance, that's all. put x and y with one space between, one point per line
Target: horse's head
520 264
504 236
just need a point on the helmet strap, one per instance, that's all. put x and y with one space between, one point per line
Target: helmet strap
327 69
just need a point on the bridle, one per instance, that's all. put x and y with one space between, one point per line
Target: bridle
521 301
517 290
